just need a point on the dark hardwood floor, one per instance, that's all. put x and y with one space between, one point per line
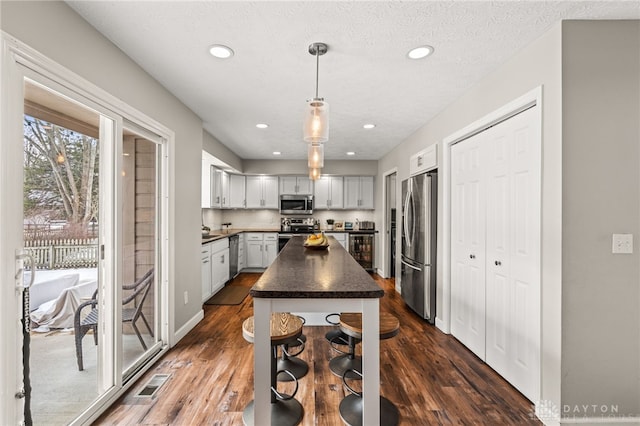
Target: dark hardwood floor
430 376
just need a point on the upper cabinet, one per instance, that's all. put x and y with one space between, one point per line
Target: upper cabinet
216 187
295 185
358 192
237 198
423 161
262 192
206 202
328 193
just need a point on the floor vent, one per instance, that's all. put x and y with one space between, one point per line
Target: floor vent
149 390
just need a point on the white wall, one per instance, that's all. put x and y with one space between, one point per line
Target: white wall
538 64
601 196
299 167
57 32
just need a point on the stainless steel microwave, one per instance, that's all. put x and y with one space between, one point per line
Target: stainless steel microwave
296 204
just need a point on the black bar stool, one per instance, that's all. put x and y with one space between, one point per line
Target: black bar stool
351 405
284 329
348 360
289 360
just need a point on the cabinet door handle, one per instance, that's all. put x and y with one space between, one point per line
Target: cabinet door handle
222 259
472 256
217 199
498 263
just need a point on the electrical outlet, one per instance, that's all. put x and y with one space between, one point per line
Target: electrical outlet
186 297
622 244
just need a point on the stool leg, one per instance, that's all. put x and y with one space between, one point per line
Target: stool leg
295 365
349 361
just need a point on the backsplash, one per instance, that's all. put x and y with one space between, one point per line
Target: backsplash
270 219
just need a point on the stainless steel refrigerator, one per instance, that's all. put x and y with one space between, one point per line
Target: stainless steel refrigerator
418 258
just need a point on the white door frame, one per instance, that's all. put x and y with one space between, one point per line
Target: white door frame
386 237
533 97
16 56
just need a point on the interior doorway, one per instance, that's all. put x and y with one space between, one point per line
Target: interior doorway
389 244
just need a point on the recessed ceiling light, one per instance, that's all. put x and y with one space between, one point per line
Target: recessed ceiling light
351 153
221 51
276 153
369 126
420 52
262 125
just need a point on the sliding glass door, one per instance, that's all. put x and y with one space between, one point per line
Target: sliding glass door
84 201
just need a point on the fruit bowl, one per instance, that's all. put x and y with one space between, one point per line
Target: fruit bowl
316 247
316 242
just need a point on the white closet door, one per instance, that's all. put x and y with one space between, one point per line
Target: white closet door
468 244
513 251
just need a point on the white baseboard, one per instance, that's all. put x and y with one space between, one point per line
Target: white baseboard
180 333
440 325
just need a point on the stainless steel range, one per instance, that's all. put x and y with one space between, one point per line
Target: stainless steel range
293 226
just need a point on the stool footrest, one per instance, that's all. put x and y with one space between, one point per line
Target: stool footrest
285 413
351 411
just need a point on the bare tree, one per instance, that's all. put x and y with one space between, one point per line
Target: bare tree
60 173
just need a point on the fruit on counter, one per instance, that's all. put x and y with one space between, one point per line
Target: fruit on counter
316 240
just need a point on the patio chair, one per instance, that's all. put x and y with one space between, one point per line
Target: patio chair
82 324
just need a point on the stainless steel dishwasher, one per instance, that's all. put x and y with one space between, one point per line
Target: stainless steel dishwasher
233 255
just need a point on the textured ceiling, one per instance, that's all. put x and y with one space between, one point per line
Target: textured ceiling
365 76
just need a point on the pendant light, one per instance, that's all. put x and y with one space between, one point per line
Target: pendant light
314 174
315 156
316 120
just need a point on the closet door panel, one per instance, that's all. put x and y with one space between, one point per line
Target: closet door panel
468 246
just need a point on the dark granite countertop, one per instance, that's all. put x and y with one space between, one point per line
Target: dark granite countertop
219 234
300 272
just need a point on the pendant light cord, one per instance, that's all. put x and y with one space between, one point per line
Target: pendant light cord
317 68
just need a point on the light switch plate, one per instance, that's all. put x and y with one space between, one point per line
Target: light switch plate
622 244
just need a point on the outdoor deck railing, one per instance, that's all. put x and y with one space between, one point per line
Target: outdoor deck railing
62 254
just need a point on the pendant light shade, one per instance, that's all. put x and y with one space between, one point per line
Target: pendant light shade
316 121
314 174
316 156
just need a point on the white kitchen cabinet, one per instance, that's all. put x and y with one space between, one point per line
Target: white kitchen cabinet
207 169
216 187
205 262
215 267
358 192
495 247
424 160
224 190
270 248
296 185
262 248
342 237
219 264
328 193
237 191
262 192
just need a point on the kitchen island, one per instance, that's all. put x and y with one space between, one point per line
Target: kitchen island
309 280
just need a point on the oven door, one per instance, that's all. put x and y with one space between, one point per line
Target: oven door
283 239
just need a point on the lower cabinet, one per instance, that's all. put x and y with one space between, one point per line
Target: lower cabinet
206 271
262 249
342 237
215 268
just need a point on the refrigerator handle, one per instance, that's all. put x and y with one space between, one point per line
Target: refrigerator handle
405 228
410 266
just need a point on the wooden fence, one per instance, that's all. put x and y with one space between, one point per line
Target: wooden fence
63 254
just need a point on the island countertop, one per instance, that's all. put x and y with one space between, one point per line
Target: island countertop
300 272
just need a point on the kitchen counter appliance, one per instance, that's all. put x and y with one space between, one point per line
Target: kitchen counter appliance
296 204
418 258
294 226
233 255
